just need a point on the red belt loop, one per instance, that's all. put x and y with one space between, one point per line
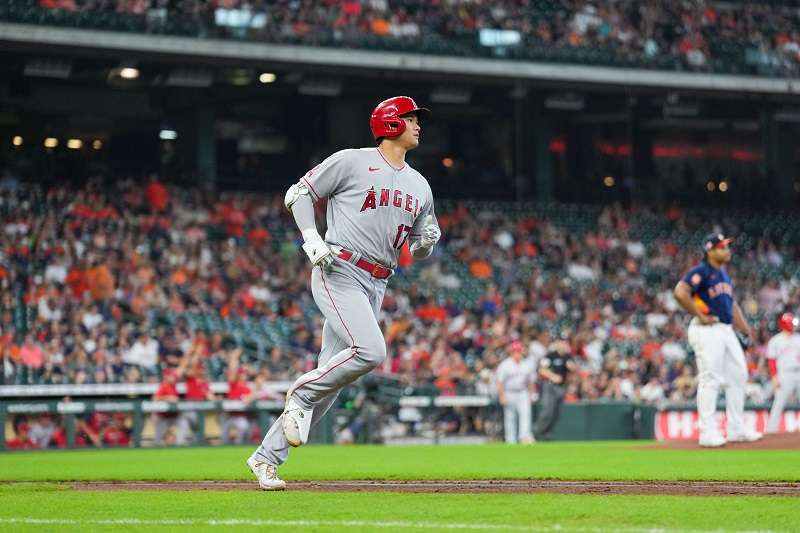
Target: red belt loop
375 270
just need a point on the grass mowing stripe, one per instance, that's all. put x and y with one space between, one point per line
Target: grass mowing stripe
623 461
353 523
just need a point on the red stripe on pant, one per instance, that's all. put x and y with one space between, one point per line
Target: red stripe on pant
352 340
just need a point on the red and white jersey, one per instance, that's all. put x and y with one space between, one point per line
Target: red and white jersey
784 348
373 208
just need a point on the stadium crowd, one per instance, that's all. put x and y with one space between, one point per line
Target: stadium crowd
117 282
699 35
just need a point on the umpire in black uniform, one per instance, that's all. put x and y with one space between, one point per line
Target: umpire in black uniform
553 369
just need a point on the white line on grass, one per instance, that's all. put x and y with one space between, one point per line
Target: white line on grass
556 528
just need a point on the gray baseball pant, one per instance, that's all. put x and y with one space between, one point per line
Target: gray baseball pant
790 382
352 345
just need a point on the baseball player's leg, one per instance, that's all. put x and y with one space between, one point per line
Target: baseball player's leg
778 403
709 352
558 399
349 311
524 413
735 377
547 410
510 422
274 449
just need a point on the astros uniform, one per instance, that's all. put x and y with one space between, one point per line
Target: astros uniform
720 359
373 209
784 348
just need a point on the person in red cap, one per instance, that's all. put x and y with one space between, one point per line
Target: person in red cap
167 392
376 203
783 354
515 382
236 424
198 389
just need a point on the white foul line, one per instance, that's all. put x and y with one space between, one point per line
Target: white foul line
556 528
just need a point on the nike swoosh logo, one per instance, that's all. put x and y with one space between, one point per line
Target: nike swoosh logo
374 169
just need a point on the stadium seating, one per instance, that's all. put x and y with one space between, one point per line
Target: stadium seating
744 39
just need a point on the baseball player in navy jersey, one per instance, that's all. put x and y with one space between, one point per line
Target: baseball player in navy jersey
783 353
376 202
706 292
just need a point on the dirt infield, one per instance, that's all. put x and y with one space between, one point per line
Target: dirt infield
680 488
779 441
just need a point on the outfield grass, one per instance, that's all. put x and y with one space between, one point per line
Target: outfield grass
36 508
569 461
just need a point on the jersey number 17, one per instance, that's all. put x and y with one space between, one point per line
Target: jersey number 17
402 236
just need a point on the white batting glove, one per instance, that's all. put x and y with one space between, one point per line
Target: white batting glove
430 233
318 252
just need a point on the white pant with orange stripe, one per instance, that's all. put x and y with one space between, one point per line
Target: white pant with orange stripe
720 363
352 345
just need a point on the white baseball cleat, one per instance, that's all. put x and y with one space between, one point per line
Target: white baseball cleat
266 474
296 423
747 436
712 441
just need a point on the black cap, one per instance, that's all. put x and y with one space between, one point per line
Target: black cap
713 240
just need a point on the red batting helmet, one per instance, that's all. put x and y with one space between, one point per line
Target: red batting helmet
787 322
385 120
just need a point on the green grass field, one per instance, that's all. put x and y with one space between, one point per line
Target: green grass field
47 503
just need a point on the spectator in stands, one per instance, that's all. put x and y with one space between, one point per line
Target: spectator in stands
143 353
167 392
21 439
198 389
32 355
117 433
235 425
157 195
44 432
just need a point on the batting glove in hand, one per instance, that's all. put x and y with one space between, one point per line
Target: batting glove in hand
430 233
319 253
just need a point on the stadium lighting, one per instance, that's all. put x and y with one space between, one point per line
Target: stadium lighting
17 140
240 76
168 135
710 186
267 77
447 162
74 144
97 144
609 181
723 186
129 73
50 142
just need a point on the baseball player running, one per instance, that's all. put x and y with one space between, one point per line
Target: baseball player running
376 202
706 292
783 354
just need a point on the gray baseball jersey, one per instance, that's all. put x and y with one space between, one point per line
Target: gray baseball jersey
373 208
